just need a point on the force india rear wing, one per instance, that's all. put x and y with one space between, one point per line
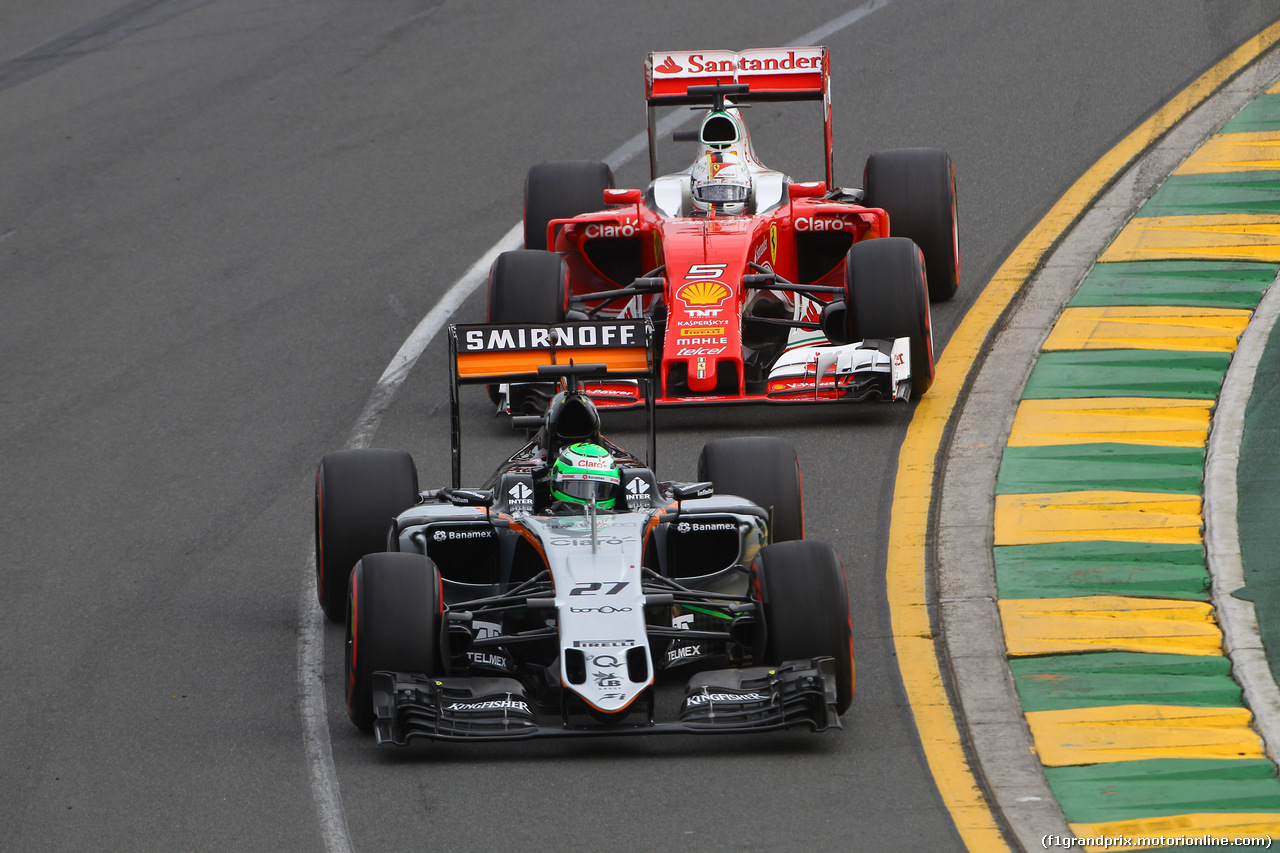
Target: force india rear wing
692 77
536 352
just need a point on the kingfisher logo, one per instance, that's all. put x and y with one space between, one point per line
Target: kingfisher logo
704 294
669 66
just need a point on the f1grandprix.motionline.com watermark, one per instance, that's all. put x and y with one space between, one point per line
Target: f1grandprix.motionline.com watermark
1107 842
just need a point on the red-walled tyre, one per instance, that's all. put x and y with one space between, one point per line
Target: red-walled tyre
805 600
886 299
393 624
765 471
561 190
527 286
358 494
917 186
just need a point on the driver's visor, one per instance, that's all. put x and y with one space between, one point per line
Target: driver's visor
720 193
585 486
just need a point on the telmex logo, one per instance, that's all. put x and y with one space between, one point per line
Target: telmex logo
497 338
703 293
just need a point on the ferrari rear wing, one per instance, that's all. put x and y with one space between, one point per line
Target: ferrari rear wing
538 352
688 77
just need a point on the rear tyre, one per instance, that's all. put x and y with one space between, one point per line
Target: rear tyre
805 602
561 190
886 298
393 624
358 494
765 471
917 186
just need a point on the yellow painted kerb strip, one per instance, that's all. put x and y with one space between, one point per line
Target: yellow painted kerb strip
1109 623
1075 736
1126 420
1095 514
913 488
1216 825
1162 327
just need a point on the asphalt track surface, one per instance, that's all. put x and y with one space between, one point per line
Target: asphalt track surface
219 221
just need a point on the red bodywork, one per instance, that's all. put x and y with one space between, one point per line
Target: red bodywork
704 260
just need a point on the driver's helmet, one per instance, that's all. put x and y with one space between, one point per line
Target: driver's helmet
721 182
585 473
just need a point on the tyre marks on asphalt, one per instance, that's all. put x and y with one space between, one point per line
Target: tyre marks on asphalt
123 22
1103 584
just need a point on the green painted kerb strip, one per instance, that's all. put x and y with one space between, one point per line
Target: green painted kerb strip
1201 195
1059 682
1127 373
1260 116
1113 467
1071 569
1129 790
1200 284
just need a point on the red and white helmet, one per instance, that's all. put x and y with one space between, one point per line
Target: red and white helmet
721 181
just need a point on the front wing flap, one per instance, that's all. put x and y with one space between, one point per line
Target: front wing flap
724 701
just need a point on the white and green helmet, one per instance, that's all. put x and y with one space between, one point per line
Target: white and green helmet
584 473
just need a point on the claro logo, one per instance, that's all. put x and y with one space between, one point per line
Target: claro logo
611 229
807 225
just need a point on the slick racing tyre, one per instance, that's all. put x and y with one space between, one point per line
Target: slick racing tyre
358 493
917 186
561 190
885 297
393 624
765 471
527 286
805 601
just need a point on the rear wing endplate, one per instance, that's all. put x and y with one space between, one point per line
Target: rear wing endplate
770 74
533 352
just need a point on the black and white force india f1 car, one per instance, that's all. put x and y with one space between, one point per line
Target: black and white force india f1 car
574 597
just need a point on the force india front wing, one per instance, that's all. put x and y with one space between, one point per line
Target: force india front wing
725 701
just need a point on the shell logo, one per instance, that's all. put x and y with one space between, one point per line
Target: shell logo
704 293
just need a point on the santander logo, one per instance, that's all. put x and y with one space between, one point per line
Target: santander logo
669 66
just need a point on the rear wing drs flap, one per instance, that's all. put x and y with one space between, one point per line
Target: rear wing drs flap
674 77
538 352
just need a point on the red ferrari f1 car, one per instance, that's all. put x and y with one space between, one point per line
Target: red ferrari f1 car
761 288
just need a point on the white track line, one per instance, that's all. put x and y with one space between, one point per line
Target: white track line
311 621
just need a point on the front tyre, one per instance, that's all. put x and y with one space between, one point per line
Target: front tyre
917 186
886 299
805 602
765 471
358 494
527 286
393 624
